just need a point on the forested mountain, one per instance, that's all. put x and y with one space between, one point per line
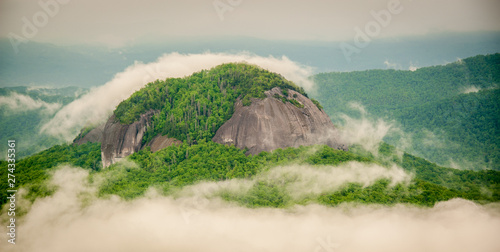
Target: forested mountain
24 110
235 103
451 113
193 108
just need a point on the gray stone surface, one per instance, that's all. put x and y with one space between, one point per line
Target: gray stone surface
159 142
268 124
94 136
120 140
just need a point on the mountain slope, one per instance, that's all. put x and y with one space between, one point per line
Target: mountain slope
24 110
278 113
468 123
429 103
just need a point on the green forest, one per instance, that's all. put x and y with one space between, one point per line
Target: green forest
458 102
175 167
192 109
23 123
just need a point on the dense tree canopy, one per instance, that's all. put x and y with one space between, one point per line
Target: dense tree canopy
194 107
24 111
452 111
177 166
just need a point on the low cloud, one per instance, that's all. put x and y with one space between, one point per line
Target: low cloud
369 132
69 221
390 65
470 89
300 181
20 103
430 139
364 131
412 67
303 180
96 106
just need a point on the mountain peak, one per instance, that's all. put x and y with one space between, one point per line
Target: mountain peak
258 109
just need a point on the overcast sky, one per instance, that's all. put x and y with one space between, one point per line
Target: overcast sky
122 22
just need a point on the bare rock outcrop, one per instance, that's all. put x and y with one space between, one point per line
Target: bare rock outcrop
159 142
120 140
270 123
93 136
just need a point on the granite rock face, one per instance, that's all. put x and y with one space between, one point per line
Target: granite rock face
159 142
120 140
93 136
269 123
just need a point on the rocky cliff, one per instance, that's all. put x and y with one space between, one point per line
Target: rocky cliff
93 136
120 140
159 142
275 122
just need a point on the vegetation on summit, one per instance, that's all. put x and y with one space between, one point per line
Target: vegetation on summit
194 107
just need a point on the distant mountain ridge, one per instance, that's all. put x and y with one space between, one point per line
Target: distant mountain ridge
458 102
87 66
24 110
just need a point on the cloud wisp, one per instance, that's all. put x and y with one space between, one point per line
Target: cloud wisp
470 89
20 103
300 181
363 131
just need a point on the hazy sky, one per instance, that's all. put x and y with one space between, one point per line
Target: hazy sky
122 22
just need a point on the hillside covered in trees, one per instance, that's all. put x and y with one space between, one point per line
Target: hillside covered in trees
192 109
450 113
175 167
24 110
